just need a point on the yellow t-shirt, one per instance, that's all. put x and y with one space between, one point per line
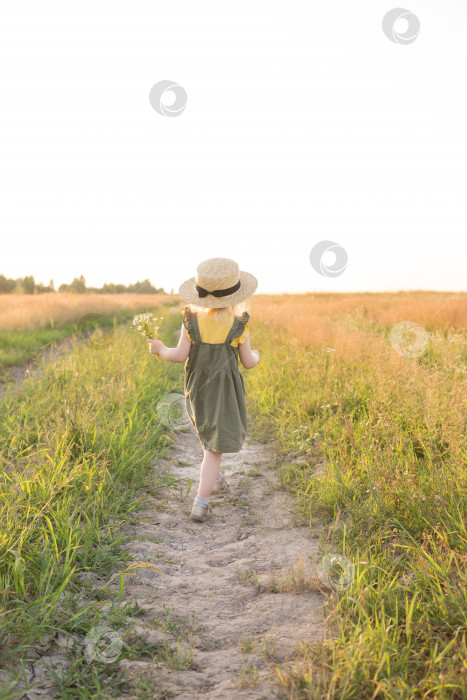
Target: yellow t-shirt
211 331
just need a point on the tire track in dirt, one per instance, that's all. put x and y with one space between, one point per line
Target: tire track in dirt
215 595
16 375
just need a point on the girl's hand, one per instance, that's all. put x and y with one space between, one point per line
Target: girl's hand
155 346
248 357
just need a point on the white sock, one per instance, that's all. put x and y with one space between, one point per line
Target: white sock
201 501
219 477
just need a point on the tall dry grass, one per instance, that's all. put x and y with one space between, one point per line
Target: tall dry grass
432 310
33 311
298 313
356 326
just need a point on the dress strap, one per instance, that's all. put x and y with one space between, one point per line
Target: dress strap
238 326
190 321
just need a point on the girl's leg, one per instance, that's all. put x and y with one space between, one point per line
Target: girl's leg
209 471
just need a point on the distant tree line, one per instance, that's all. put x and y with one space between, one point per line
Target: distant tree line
27 285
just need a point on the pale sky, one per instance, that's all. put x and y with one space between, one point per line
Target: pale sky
303 123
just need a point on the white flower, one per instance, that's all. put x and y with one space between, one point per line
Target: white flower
139 328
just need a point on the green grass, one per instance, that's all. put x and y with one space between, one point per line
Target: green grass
19 347
76 446
393 491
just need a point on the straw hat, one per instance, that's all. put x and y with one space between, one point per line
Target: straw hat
218 283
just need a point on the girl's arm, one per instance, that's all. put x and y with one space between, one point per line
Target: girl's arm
248 357
178 354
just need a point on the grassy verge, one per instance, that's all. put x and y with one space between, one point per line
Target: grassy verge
391 434
76 446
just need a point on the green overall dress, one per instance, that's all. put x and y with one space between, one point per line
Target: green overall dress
214 388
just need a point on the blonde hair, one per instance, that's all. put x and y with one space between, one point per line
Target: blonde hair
221 315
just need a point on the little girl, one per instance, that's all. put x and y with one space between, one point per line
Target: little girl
214 334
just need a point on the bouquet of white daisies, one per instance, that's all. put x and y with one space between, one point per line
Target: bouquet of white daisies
147 325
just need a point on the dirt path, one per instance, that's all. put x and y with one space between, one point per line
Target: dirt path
219 593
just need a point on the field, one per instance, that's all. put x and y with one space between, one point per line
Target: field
369 428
